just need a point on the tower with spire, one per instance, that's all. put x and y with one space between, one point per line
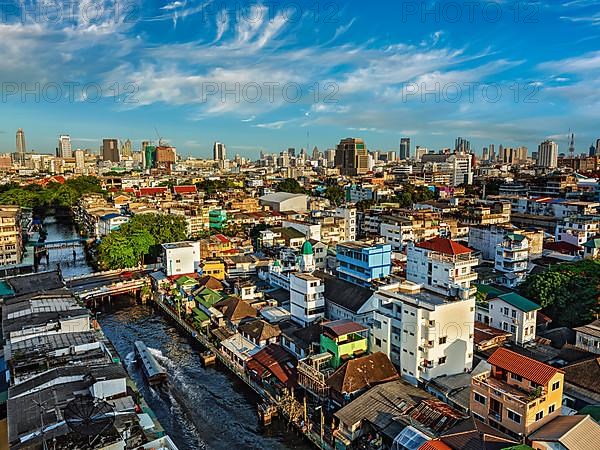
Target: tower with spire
306 261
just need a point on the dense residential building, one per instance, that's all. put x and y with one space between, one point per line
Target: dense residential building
578 230
442 266
362 263
425 334
512 259
518 395
11 236
588 337
512 313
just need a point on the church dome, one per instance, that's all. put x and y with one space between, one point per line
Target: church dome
307 248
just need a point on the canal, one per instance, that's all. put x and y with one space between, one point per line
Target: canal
200 408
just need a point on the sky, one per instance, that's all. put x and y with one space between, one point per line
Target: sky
278 74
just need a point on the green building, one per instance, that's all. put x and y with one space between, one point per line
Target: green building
345 340
217 219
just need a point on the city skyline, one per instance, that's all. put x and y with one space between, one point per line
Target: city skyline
353 85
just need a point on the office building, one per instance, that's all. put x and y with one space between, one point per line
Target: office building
486 154
127 149
79 160
492 153
351 157
361 263
420 152
462 145
110 150
219 152
404 149
64 147
548 154
21 147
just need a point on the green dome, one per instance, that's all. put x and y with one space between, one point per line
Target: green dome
276 263
307 248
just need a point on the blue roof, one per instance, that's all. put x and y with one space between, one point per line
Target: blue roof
111 216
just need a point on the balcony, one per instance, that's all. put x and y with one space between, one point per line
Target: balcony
509 395
495 416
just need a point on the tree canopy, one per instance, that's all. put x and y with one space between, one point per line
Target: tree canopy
53 195
142 235
335 194
413 194
291 186
569 293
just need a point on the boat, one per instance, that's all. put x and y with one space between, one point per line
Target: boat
154 373
208 357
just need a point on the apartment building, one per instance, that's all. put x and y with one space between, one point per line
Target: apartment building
588 337
307 300
442 266
181 258
11 236
512 313
486 238
578 230
361 263
512 259
425 334
517 395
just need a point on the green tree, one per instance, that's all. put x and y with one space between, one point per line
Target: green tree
290 185
162 227
569 293
335 194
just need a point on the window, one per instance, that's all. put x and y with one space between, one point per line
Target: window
479 398
514 376
539 416
551 408
514 416
514 314
442 340
378 342
555 385
442 360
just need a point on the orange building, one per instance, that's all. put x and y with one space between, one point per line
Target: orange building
518 395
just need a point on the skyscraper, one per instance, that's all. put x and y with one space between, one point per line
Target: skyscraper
351 157
21 147
110 150
548 154
486 154
127 149
598 147
64 147
492 153
219 152
404 149
462 145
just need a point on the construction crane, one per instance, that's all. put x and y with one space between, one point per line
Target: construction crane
161 141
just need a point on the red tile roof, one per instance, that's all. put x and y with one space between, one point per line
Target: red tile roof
184 189
222 238
528 368
152 191
562 247
446 246
434 445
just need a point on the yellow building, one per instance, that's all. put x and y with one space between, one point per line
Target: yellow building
214 268
518 395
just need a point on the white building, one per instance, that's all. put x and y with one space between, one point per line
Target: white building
424 334
307 302
64 147
578 230
180 258
588 337
348 214
512 313
283 201
548 154
462 170
396 231
512 259
442 266
111 222
309 230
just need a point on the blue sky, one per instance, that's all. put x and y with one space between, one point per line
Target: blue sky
503 72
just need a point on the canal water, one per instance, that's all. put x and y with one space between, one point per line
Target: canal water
200 408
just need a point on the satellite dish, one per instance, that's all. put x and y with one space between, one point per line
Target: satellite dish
89 416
